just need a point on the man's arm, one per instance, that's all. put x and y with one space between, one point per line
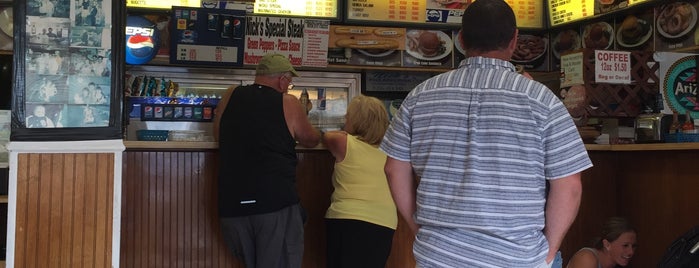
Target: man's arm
561 209
220 107
402 185
297 121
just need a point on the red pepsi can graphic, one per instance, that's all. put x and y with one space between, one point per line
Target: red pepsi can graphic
321 98
238 27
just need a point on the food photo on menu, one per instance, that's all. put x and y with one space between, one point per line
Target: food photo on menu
635 31
428 48
604 6
675 25
358 45
459 50
565 41
531 51
598 35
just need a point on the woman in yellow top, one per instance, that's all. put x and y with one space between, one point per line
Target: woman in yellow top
362 217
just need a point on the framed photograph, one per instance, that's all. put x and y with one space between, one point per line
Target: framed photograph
66 86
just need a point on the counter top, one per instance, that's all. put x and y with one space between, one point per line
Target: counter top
187 145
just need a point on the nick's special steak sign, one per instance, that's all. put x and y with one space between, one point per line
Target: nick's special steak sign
303 41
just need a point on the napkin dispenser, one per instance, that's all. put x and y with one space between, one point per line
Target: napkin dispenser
648 128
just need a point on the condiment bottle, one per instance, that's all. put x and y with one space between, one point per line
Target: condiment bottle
305 101
675 123
688 124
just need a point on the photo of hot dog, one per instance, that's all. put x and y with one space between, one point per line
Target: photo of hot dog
367 44
352 30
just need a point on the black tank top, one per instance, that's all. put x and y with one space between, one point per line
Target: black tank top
257 164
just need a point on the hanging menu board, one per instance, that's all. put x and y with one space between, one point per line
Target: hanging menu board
166 4
387 10
564 11
529 13
307 8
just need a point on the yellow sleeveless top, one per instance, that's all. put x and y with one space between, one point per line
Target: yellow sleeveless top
361 189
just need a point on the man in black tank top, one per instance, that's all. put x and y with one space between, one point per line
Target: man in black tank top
257 127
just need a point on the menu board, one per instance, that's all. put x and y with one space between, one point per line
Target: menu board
564 11
204 36
387 10
529 13
166 4
306 8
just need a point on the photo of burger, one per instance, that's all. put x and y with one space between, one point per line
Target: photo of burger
428 45
634 31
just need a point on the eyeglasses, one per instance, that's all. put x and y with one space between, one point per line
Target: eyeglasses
291 85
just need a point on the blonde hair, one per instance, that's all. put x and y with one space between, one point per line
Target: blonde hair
367 119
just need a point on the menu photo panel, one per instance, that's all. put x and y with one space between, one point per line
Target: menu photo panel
675 25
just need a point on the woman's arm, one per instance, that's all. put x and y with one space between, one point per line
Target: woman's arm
336 142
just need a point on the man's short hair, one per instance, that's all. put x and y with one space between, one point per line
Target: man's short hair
487 25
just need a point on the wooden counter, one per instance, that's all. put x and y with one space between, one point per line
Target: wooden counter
169 217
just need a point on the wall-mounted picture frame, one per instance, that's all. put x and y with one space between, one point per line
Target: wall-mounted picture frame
66 68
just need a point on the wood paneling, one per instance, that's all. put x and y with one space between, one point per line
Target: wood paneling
655 190
64 210
169 216
597 204
659 193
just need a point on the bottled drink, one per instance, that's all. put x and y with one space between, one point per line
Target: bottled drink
305 101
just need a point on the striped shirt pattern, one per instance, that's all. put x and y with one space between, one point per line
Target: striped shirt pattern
483 140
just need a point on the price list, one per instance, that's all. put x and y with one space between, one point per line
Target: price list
529 13
307 8
207 53
387 10
563 11
163 3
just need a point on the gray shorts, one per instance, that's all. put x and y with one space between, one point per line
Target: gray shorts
270 240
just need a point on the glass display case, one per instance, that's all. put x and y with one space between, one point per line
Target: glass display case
155 94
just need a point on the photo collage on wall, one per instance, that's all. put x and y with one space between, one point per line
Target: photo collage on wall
68 63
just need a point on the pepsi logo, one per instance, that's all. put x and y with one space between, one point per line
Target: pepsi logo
141 46
142 40
434 15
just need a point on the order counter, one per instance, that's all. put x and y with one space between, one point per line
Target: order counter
169 216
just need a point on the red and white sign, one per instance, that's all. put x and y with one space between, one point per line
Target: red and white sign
304 42
612 67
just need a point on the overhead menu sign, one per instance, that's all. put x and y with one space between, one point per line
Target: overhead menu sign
387 10
564 11
529 13
307 8
165 4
